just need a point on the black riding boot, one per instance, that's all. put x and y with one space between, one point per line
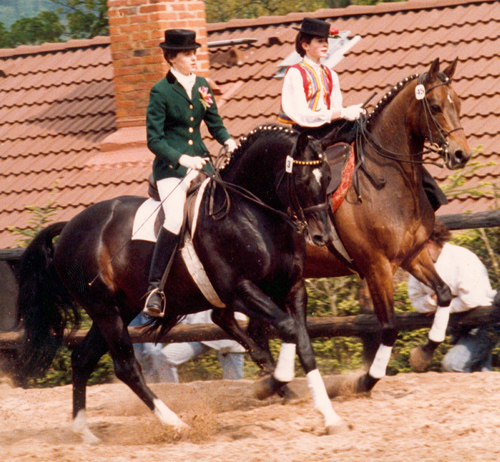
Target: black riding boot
165 245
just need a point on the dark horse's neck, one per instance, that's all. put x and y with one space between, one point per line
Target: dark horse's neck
259 162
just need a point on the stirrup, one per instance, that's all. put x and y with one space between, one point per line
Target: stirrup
154 312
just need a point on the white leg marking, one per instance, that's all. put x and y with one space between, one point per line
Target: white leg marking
285 369
81 428
379 365
440 323
167 417
320 399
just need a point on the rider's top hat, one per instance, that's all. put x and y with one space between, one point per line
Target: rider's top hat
316 27
180 39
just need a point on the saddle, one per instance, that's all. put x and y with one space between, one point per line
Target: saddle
337 156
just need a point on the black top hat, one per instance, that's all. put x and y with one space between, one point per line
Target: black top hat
179 39
316 27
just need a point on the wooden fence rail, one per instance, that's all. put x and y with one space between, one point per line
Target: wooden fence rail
362 325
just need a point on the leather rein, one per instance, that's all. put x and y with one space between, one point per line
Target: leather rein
295 215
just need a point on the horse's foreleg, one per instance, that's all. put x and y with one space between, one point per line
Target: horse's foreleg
261 356
297 306
422 268
292 330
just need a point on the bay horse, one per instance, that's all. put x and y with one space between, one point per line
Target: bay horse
386 216
253 252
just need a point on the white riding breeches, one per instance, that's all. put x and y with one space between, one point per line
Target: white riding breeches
173 193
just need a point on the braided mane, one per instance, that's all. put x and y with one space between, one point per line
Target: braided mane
261 132
388 97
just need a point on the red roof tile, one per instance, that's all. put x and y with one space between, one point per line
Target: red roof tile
57 100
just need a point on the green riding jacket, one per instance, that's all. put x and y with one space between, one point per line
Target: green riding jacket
173 122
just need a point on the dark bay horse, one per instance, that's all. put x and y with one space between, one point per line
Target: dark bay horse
386 216
253 252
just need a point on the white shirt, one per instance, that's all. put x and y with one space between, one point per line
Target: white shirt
204 317
294 102
466 276
187 81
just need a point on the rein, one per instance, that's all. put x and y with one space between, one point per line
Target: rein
441 144
295 216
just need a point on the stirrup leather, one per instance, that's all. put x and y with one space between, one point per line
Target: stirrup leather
153 312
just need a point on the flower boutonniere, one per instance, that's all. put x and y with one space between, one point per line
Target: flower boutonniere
206 97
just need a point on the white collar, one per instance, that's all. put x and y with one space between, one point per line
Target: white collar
187 81
311 63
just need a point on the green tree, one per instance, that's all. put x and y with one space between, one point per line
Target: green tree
218 11
5 41
85 18
45 27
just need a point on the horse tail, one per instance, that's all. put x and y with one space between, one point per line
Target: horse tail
45 306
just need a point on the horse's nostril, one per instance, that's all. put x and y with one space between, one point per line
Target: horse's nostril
459 156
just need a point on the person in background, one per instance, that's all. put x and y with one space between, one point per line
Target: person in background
159 363
470 286
311 98
178 104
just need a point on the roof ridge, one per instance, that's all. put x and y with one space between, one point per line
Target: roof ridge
351 10
100 40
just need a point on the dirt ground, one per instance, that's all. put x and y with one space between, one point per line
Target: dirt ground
410 417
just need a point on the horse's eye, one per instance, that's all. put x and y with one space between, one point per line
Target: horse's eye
436 108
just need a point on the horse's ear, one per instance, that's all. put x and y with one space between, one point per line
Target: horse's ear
302 143
433 71
450 70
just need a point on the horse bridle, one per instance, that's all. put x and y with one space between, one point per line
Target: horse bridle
441 146
295 215
296 211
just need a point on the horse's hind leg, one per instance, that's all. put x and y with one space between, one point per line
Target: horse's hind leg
84 360
117 339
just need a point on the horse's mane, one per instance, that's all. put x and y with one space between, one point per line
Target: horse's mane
392 93
387 98
262 132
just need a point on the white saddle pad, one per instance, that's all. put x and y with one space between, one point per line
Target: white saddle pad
143 230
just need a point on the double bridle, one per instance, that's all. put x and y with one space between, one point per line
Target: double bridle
295 210
439 146
295 214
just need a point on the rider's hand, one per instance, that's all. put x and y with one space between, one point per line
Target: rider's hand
231 145
352 112
196 162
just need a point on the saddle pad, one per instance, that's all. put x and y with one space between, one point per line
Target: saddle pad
144 229
345 182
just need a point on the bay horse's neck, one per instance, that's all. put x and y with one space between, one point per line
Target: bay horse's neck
394 131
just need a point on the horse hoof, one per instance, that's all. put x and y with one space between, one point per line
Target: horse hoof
338 428
420 358
267 386
286 393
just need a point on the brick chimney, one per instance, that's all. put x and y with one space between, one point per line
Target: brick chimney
136 28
